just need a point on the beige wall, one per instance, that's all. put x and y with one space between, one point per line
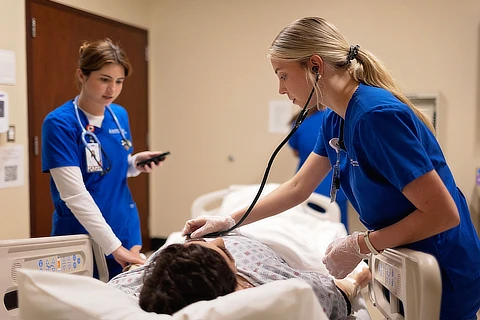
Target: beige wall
209 63
15 201
210 85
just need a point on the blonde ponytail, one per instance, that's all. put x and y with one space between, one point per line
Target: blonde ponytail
370 70
305 37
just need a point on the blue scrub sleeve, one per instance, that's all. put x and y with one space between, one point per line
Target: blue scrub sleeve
136 234
389 139
59 144
320 144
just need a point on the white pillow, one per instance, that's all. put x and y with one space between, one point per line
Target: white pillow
46 295
53 296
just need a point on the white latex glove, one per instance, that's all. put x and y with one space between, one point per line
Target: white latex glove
343 255
207 224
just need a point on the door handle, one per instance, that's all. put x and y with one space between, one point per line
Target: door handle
35 146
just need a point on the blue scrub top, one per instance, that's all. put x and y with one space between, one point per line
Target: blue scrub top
62 146
388 146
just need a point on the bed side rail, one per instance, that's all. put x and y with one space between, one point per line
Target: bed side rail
63 254
406 284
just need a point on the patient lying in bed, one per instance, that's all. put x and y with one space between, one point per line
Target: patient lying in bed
182 274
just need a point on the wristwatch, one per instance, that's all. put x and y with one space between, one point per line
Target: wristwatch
369 244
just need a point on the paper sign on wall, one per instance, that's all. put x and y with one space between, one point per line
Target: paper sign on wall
11 166
3 112
280 114
7 67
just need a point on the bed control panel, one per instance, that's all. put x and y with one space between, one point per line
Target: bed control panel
389 276
63 254
58 263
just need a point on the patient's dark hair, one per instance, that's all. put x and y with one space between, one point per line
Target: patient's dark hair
183 274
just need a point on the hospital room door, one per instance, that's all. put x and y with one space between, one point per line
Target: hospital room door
54 34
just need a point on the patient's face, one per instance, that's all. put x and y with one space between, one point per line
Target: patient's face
218 245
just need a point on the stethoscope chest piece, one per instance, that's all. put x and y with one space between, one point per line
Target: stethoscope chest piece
335 144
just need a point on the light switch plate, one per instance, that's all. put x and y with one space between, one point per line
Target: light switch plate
11 134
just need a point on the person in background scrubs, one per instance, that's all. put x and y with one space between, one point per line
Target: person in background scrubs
302 142
388 163
89 173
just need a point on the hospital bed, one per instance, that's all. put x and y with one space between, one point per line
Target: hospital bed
405 284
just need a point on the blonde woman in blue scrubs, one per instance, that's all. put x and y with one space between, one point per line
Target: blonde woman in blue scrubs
388 161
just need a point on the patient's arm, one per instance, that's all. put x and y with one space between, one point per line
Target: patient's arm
352 284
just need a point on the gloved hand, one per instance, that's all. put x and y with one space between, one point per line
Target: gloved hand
207 224
343 255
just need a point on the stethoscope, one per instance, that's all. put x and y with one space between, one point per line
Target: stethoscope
127 144
338 144
303 114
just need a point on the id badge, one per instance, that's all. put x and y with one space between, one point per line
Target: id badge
94 157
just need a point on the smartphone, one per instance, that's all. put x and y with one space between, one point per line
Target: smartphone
156 159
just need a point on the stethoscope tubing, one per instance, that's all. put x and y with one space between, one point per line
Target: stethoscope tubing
92 135
303 114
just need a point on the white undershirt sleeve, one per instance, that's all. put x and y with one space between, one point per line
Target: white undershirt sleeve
72 190
132 168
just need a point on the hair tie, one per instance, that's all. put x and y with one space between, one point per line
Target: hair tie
352 53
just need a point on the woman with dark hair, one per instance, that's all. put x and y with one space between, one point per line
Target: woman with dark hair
87 149
197 270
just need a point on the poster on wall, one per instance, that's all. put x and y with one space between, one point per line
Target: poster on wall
428 105
11 166
3 112
279 116
7 67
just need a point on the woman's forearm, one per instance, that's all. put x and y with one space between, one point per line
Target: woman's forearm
72 190
436 212
415 227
